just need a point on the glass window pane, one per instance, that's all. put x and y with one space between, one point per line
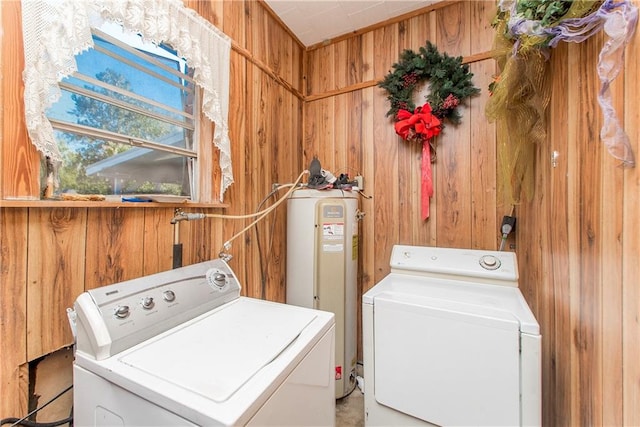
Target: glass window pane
94 166
139 92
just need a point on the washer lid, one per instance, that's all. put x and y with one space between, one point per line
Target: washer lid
483 300
215 356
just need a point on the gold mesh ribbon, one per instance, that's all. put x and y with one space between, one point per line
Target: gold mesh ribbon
518 105
519 102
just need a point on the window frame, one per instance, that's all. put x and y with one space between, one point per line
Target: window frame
143 63
53 32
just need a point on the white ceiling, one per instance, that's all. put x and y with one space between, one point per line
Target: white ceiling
314 21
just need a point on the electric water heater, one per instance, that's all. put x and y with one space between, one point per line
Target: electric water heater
322 267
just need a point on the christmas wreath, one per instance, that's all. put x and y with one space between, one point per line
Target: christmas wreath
449 84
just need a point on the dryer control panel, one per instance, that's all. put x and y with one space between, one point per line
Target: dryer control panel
113 318
493 267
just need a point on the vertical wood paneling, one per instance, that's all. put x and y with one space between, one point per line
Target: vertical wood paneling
115 251
19 178
158 241
611 256
56 240
13 310
631 242
454 156
484 223
588 334
385 158
554 316
367 229
407 154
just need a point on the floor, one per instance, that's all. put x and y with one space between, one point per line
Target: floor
350 410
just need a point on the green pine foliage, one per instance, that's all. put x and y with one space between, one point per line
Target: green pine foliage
447 77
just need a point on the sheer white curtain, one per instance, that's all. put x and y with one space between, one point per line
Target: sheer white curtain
54 31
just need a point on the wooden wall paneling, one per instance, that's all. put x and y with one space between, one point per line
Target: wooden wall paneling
419 29
321 61
367 50
56 241
203 238
354 135
19 179
611 259
554 311
258 161
115 249
13 314
239 115
234 21
210 10
310 132
2 48
355 65
573 226
256 30
278 48
281 171
158 240
320 133
631 241
366 268
454 157
407 154
589 338
341 63
340 132
485 222
384 186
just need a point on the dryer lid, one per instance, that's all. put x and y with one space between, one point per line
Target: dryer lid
483 300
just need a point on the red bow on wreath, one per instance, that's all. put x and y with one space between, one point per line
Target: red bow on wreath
420 126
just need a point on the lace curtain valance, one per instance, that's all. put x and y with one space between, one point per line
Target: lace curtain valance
54 31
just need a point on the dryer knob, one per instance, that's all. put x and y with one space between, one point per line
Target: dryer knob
489 262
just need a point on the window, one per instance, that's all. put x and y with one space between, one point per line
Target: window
117 132
125 122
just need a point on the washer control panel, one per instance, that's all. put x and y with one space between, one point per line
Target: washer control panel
472 264
126 313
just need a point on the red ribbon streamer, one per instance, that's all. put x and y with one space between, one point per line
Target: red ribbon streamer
422 125
426 190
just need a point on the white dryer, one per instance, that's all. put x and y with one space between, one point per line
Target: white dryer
183 347
448 339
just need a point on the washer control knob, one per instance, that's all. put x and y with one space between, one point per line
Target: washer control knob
147 303
216 279
169 296
489 262
122 311
219 279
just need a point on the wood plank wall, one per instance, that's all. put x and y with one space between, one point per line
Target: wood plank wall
577 240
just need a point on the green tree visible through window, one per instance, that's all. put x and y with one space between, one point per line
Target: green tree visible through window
100 115
126 120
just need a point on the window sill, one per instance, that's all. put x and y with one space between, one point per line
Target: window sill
105 204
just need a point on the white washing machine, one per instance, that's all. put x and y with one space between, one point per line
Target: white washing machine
182 347
448 339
